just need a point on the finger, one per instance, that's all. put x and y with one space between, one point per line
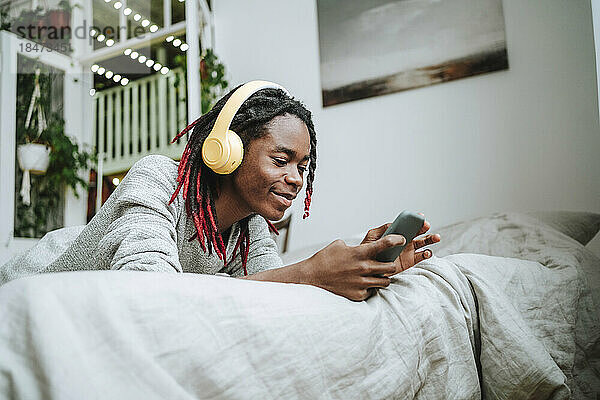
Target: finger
422 255
424 228
381 269
375 282
375 233
370 250
427 240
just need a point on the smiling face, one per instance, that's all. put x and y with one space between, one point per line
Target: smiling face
272 171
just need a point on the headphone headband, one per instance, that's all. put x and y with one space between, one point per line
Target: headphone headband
223 149
234 103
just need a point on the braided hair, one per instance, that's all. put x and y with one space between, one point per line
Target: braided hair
200 184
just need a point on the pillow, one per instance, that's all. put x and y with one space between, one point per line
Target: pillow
501 234
516 235
581 226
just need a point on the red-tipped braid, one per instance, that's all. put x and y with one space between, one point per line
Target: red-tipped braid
216 235
199 231
238 244
246 251
307 204
186 183
272 227
181 172
186 130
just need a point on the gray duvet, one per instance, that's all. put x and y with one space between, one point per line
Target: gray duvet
463 326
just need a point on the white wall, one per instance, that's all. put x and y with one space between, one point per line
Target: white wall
596 23
522 139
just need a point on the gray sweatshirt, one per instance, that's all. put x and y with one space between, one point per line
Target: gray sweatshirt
136 229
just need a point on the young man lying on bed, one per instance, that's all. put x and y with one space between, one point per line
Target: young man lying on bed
185 217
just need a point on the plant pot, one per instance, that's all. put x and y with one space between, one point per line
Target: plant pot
59 19
33 157
58 36
203 70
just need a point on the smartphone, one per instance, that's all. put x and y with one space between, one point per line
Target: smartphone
407 224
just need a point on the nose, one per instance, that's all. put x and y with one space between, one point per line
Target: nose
294 178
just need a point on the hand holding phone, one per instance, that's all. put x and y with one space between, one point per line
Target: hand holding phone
407 224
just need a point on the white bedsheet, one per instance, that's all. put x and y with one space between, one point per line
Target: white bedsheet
141 335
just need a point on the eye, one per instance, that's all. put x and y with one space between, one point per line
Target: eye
301 169
280 162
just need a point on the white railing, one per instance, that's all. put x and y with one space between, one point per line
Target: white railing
139 119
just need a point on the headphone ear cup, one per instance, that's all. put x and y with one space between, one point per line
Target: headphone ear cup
223 158
236 152
215 153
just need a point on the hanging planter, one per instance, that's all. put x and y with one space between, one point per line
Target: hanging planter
33 157
69 160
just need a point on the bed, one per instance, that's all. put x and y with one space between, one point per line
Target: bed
508 309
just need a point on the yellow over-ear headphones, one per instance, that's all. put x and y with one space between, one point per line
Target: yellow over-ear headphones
223 150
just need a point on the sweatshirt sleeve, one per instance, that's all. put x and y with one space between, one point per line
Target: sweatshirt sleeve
262 254
142 233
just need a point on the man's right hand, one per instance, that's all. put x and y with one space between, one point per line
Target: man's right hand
351 271
348 271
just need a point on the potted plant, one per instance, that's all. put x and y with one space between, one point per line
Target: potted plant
34 155
50 28
212 77
67 160
60 17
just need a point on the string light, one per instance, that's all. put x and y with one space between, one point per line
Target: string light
143 59
178 43
101 37
92 92
108 74
145 23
